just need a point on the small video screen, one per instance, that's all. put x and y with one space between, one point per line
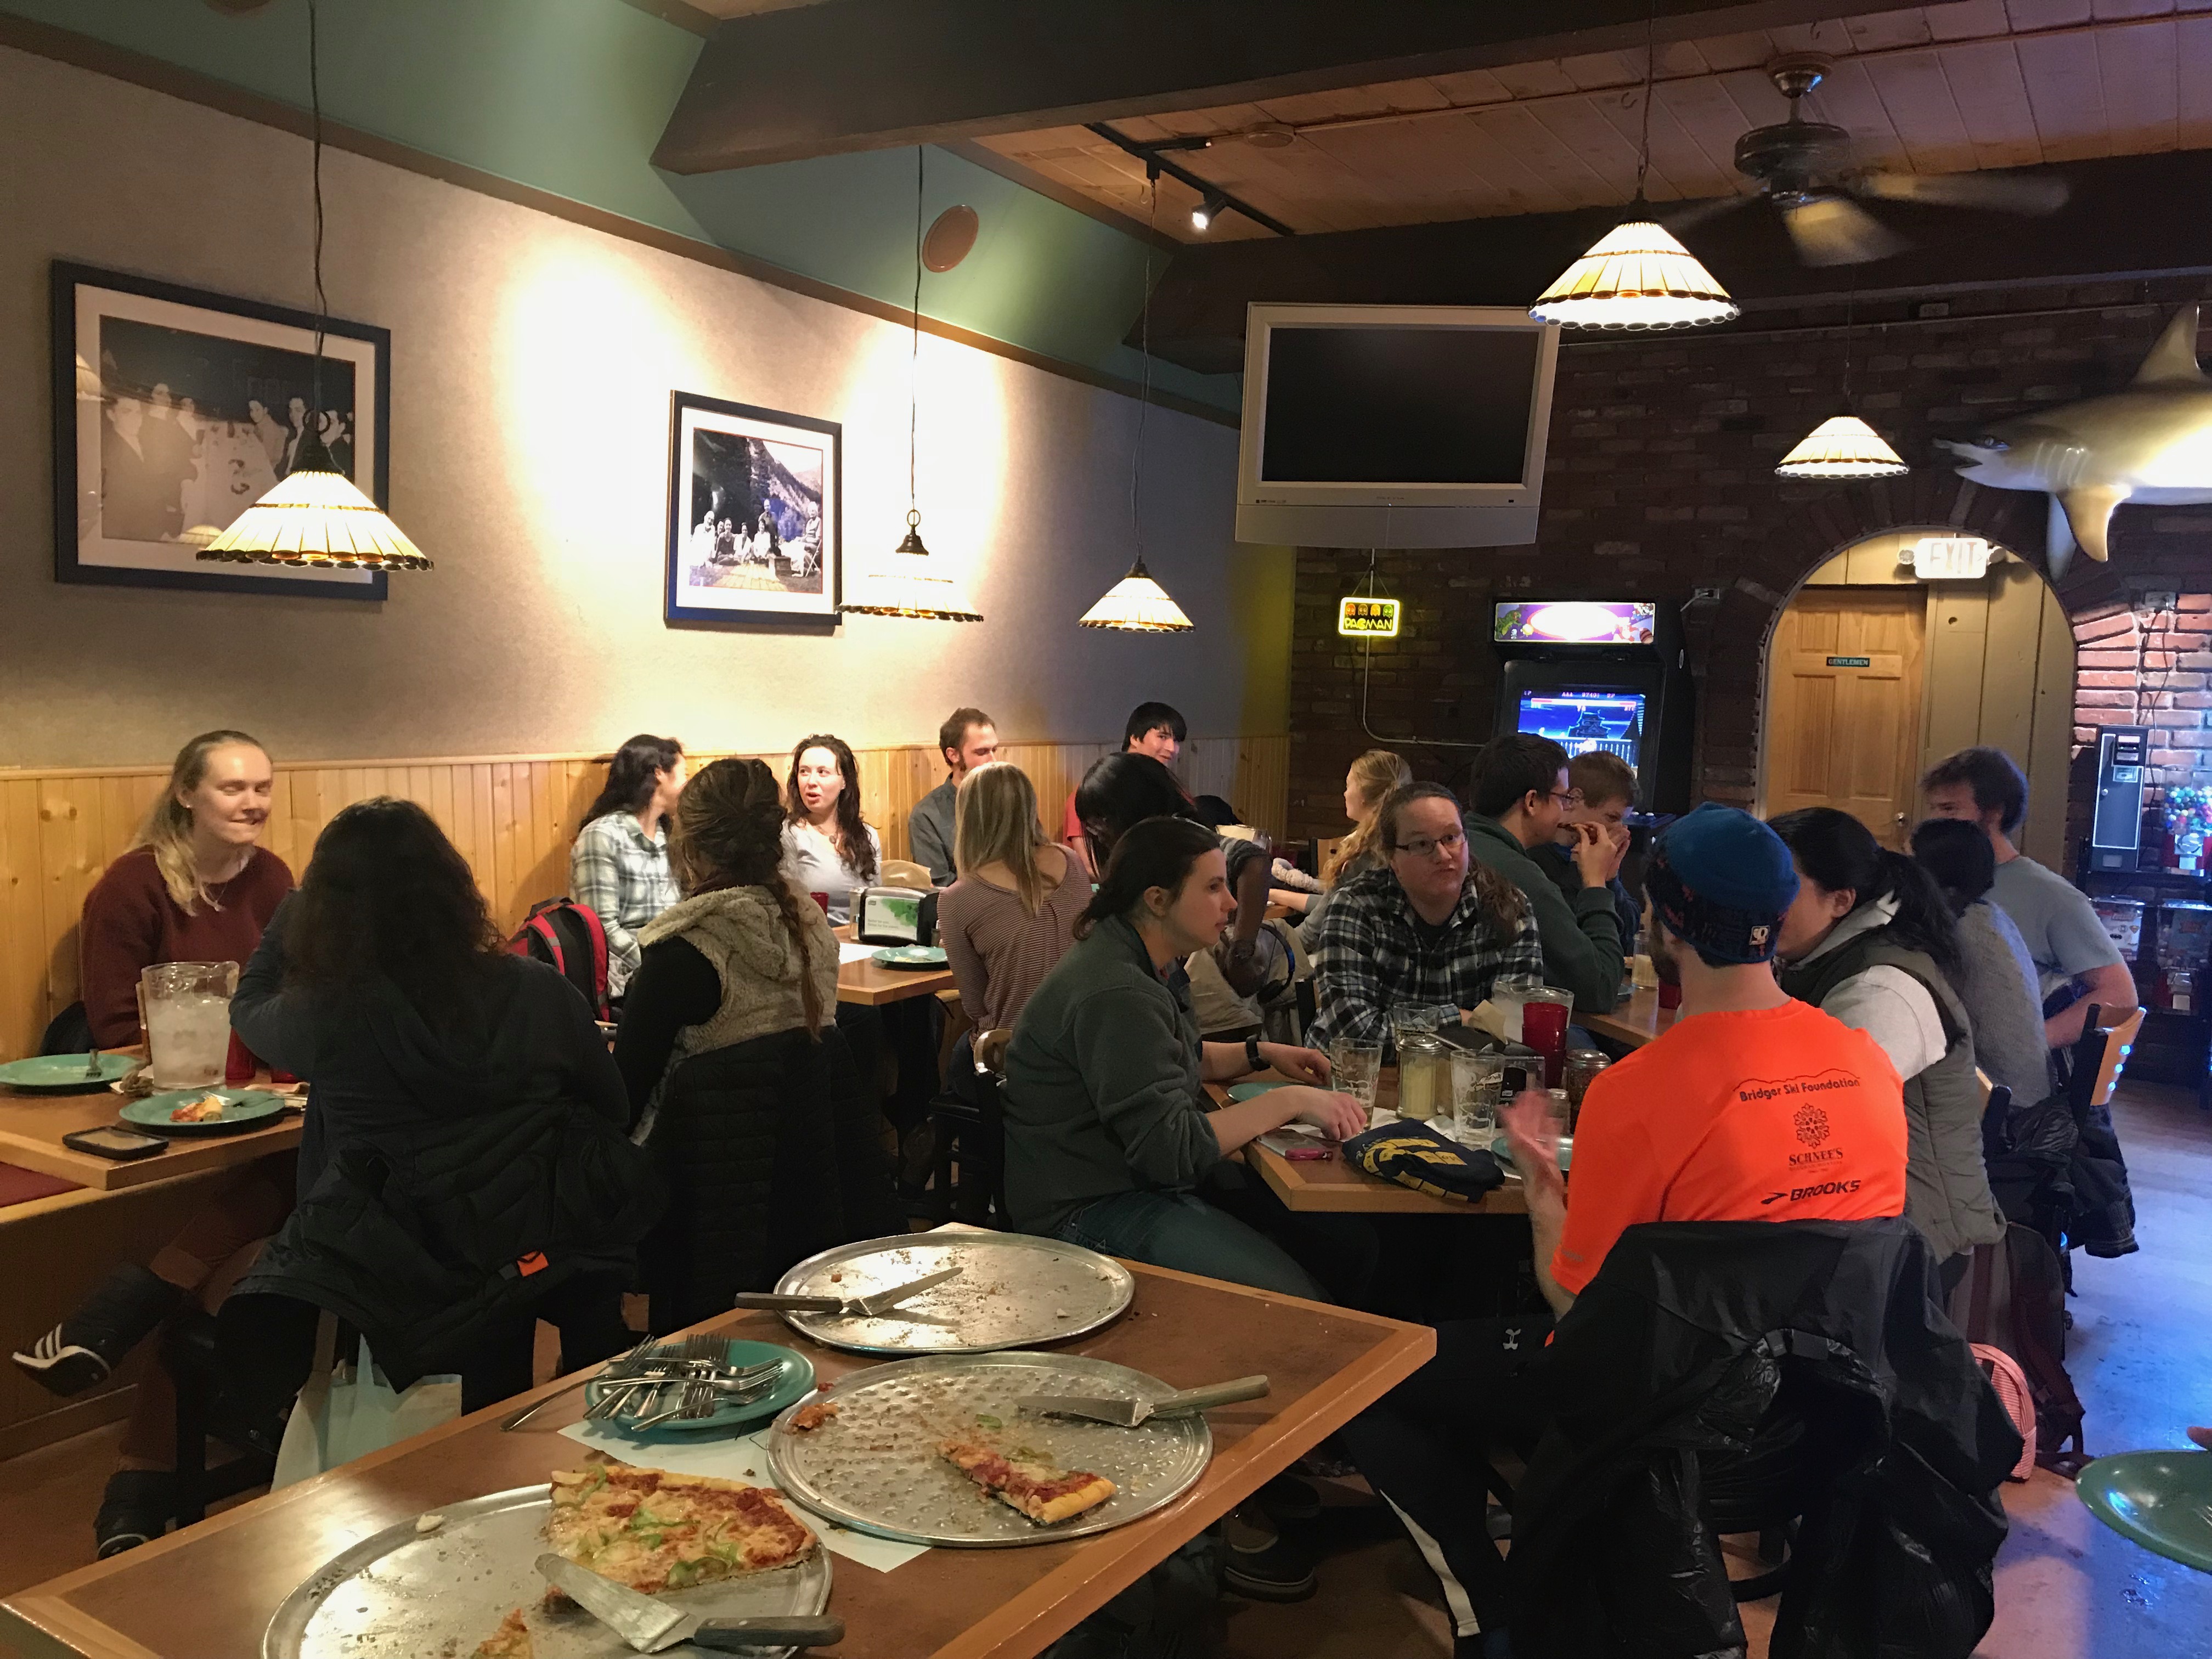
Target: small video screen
1579 721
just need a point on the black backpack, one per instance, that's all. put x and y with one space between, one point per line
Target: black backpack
569 937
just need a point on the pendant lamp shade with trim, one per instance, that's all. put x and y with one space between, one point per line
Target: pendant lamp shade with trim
908 583
1635 275
315 515
1136 605
1842 446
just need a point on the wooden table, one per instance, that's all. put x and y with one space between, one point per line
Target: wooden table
1634 1022
207 1591
32 1127
873 984
1332 1184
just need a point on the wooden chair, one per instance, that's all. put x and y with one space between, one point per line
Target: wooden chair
1325 849
2119 1040
971 1137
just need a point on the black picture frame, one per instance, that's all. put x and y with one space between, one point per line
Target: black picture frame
189 328
788 575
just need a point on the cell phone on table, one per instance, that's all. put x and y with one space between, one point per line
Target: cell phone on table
111 1142
1512 1081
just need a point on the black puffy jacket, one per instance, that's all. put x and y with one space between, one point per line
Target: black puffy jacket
771 1150
1705 1358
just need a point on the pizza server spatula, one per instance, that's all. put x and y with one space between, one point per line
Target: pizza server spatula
1129 1413
652 1627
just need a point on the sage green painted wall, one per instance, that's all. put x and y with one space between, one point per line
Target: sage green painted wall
570 96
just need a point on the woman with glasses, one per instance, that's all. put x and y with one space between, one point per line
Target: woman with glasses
1431 926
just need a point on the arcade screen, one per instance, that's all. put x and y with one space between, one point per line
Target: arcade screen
1574 621
1608 717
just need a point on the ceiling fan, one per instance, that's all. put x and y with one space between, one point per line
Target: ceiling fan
1804 168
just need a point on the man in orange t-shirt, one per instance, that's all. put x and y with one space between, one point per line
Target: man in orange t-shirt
1752 1107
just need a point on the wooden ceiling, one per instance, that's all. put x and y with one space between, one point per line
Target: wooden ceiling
1943 88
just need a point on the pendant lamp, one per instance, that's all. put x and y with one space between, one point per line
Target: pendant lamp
1137 604
1636 275
909 582
314 515
1843 445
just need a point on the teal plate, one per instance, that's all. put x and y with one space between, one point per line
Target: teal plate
911 955
242 1109
1503 1153
2161 1499
797 1377
63 1074
1251 1090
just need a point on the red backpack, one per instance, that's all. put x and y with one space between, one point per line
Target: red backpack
570 938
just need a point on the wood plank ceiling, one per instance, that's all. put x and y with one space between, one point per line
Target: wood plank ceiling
1942 89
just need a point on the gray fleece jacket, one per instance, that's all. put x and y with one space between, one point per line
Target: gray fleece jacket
1582 940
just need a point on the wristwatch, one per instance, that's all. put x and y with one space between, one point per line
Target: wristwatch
1252 1060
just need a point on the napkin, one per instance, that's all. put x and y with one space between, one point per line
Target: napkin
855 953
745 1458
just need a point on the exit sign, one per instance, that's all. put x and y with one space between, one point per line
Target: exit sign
1377 619
1950 558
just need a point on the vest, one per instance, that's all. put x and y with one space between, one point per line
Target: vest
1946 1185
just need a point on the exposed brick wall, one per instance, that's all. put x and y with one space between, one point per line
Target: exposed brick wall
2145 663
1660 480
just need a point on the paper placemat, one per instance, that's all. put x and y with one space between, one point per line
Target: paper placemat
856 952
743 1459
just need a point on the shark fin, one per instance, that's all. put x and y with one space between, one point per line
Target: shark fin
2057 541
2089 514
2172 360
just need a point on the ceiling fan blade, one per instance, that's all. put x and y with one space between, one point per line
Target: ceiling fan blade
1999 192
1698 213
1829 230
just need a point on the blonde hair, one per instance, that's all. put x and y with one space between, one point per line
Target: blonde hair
994 820
1374 775
168 827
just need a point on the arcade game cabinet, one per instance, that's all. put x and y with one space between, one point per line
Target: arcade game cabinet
1600 674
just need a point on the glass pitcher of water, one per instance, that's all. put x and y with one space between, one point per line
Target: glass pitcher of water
187 1010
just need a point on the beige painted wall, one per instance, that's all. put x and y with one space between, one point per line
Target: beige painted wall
532 365
1999 664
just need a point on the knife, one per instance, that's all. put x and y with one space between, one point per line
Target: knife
652 1627
1129 1413
862 1307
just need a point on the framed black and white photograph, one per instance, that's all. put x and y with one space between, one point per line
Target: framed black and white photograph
175 410
753 524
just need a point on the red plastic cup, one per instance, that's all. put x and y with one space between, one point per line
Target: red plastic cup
238 1065
1670 994
822 899
1544 1028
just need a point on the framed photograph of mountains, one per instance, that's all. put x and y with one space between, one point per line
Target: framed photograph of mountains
754 536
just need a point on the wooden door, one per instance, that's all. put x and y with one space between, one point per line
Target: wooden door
1842 705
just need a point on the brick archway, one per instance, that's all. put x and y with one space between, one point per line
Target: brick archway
1823 520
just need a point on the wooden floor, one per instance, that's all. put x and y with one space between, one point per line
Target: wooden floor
2067 1587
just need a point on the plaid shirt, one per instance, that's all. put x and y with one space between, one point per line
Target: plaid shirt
624 877
1370 957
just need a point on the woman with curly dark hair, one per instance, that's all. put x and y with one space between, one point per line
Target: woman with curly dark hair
463 1172
828 848
749 1099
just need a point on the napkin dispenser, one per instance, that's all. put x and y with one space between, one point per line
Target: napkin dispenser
896 915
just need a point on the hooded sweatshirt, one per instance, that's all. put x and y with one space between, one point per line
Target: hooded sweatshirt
376 1066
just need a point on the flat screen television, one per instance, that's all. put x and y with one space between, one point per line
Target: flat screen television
1610 718
1393 426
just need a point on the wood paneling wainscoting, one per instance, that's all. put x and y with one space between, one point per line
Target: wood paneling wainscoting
512 817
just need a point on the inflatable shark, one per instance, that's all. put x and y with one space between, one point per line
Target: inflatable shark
2152 443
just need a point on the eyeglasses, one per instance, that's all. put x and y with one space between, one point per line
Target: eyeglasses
1422 846
1569 799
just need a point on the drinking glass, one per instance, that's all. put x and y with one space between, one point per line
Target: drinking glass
1507 993
1355 1069
1475 1080
1544 1028
187 1007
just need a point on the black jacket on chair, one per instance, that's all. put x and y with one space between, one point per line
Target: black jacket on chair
1668 1369
771 1151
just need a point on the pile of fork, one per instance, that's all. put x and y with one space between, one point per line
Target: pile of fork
634 1387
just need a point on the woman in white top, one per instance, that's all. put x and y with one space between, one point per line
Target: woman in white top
827 847
619 865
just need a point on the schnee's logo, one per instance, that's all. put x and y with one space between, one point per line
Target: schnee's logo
1811 1124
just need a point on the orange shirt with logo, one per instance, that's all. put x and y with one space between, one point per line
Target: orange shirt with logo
1776 1115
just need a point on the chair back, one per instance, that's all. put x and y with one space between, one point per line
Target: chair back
2119 1040
1325 849
991 1051
905 873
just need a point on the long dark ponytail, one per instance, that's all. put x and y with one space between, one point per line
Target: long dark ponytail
1836 851
632 773
729 832
1156 851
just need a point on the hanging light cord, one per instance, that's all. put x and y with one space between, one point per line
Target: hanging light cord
1650 80
315 113
1145 371
913 356
1851 313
